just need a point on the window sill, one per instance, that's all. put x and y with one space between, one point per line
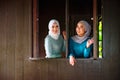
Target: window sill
35 59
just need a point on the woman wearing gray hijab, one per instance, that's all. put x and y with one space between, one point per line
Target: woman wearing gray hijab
54 42
80 45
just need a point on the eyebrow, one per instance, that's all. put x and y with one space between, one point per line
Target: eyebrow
55 26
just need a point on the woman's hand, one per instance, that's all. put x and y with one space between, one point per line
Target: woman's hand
72 60
89 42
64 35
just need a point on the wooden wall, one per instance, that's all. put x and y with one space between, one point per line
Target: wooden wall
15 38
15 48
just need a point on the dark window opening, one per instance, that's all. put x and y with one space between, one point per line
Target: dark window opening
68 14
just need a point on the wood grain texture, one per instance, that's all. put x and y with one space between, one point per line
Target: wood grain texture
15 48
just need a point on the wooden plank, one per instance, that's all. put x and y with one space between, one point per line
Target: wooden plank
52 69
95 49
10 39
79 69
65 70
32 70
3 49
92 69
43 64
35 30
20 38
28 28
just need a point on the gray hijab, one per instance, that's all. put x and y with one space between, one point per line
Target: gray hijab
54 36
79 39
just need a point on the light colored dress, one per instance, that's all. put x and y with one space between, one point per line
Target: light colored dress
54 47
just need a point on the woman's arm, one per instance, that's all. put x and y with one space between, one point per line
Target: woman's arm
70 48
72 60
88 48
48 47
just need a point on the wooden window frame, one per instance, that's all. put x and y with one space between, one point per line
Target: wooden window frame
95 48
35 29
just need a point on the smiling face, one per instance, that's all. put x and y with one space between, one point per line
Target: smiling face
55 28
80 29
